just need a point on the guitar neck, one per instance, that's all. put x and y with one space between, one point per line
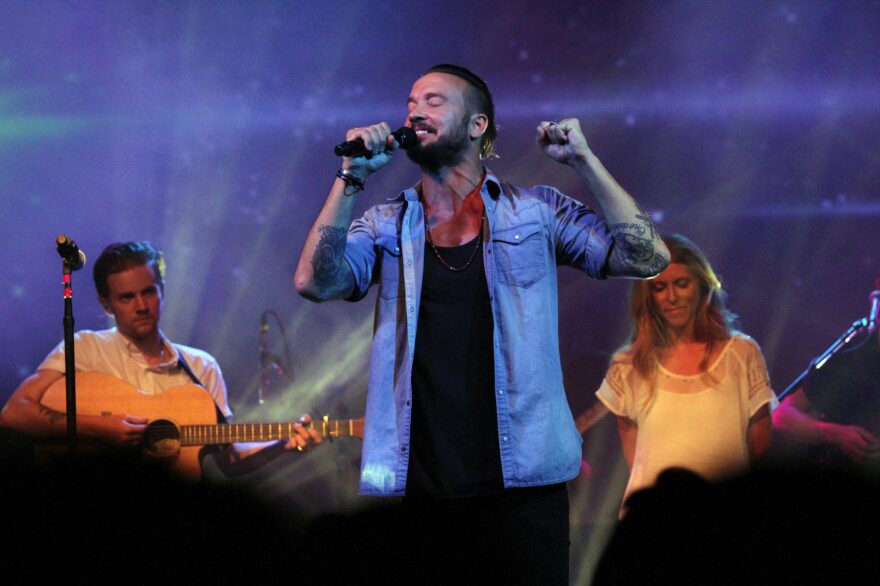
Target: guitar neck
202 435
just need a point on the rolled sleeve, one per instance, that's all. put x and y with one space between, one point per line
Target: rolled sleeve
583 240
360 254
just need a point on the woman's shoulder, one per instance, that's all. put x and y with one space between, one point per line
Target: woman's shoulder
743 345
622 357
622 371
619 378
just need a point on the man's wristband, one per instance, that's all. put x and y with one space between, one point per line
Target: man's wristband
351 179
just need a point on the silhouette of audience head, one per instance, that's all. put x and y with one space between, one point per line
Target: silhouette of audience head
791 525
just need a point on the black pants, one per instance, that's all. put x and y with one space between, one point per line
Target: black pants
517 536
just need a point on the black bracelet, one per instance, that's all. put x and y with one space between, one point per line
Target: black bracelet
350 179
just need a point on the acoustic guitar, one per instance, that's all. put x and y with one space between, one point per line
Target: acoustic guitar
181 420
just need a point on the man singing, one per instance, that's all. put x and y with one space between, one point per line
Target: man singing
466 412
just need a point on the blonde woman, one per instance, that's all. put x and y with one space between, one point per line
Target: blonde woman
689 391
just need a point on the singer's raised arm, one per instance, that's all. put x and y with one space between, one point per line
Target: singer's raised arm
322 273
638 249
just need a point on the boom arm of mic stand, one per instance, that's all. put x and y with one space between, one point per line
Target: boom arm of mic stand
817 363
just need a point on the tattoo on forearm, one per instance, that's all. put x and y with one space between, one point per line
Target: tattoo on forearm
634 253
636 248
644 217
53 416
656 265
327 260
638 229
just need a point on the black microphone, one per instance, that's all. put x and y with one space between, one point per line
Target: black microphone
405 137
874 298
269 360
70 252
265 362
264 368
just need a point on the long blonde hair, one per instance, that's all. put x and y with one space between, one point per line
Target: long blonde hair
713 323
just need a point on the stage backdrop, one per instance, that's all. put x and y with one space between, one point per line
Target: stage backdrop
208 127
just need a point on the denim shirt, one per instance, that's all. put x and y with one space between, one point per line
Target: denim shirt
531 231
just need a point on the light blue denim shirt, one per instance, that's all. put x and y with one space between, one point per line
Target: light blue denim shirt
532 231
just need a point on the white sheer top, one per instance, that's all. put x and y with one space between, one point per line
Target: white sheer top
697 422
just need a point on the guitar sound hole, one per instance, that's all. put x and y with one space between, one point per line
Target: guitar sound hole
161 439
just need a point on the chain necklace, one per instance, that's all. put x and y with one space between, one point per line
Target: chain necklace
437 252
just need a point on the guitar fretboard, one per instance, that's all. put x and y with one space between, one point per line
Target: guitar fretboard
198 435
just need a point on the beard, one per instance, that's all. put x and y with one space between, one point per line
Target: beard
446 151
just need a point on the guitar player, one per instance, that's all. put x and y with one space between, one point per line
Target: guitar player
129 278
838 406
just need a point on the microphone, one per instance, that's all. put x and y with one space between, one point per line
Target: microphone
70 252
405 137
269 360
874 298
266 358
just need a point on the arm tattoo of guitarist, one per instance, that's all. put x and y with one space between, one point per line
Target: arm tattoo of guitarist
634 254
332 275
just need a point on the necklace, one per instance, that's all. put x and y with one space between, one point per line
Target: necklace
437 252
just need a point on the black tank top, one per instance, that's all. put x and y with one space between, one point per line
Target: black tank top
454 433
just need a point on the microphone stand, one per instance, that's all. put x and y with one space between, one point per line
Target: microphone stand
269 361
820 361
69 358
264 368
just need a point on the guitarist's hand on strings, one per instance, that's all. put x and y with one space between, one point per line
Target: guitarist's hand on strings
856 442
305 436
118 430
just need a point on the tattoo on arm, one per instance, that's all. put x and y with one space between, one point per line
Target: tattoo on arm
634 256
644 217
53 416
640 228
634 253
327 262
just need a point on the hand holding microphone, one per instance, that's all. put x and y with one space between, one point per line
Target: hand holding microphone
368 149
357 147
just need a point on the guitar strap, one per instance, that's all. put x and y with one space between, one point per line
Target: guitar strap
182 363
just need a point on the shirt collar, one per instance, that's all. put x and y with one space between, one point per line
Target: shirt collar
491 188
171 354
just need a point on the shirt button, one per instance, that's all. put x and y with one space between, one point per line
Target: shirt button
403 448
500 392
410 308
516 236
504 438
409 262
396 249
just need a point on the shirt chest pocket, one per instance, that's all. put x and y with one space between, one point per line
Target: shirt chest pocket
520 254
388 267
